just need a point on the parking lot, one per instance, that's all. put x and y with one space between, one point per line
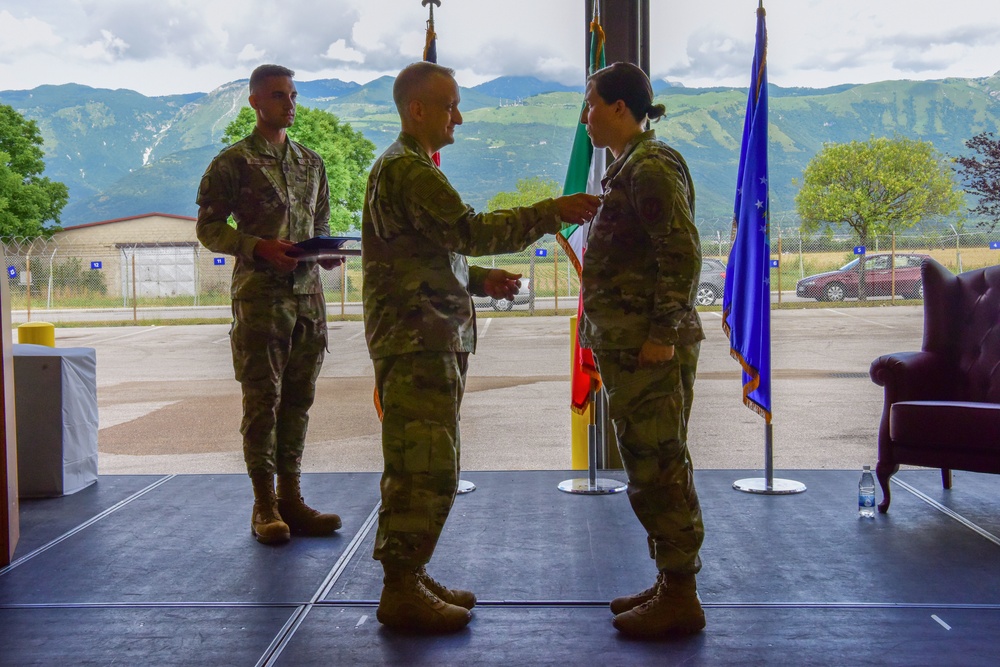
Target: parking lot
168 402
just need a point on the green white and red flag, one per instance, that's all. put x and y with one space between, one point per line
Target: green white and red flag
586 168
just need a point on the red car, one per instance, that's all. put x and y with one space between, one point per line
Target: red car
879 269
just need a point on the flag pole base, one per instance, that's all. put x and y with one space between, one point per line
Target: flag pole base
593 487
465 487
777 487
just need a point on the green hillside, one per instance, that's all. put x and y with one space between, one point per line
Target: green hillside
94 137
123 153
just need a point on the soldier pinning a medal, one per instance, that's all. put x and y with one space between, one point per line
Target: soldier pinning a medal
420 327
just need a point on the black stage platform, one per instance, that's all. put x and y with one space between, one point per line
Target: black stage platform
151 570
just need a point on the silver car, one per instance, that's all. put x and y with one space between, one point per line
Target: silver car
524 296
712 282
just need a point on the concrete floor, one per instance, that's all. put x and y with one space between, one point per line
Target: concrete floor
168 403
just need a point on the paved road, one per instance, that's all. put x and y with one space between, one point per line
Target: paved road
168 403
180 313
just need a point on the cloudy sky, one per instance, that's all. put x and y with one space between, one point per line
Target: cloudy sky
160 47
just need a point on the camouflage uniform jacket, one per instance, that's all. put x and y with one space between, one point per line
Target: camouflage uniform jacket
273 192
415 233
643 257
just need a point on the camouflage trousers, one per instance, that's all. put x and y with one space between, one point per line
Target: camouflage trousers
278 349
649 408
420 394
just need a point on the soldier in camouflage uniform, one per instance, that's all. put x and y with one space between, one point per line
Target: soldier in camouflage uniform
420 325
276 190
640 278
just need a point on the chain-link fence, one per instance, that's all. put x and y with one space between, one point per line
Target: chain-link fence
59 281
835 267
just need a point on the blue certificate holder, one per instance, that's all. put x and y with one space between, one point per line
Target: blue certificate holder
321 247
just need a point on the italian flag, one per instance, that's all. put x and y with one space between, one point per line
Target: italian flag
586 168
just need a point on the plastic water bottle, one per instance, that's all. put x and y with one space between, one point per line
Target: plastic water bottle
866 494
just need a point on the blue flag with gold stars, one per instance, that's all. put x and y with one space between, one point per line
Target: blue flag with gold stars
746 301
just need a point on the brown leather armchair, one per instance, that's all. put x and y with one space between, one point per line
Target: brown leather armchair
942 404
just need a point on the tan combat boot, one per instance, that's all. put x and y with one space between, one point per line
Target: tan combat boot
302 519
626 602
265 522
455 596
673 610
406 604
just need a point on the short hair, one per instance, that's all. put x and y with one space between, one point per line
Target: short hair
267 71
628 83
412 77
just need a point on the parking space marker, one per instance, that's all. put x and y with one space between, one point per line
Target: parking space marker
128 335
878 324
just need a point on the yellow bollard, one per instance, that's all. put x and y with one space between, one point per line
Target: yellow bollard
579 432
37 333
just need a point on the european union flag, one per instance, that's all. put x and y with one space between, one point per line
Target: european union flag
746 301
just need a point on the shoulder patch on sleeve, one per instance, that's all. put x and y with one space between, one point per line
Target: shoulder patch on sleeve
651 208
205 188
425 184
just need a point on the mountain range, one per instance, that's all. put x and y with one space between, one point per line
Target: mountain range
122 153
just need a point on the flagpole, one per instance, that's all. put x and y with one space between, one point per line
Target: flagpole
597 442
755 162
593 485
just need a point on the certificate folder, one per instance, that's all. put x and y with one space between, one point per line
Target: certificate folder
319 247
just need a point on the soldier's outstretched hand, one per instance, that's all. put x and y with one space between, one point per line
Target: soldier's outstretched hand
578 208
501 284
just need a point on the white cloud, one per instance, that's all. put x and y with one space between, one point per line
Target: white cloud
250 53
25 35
175 46
109 48
341 52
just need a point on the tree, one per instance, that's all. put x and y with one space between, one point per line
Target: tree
28 201
529 191
981 173
876 187
346 153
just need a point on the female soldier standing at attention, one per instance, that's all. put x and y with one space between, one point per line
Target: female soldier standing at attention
640 278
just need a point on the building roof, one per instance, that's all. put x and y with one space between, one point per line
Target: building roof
131 217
